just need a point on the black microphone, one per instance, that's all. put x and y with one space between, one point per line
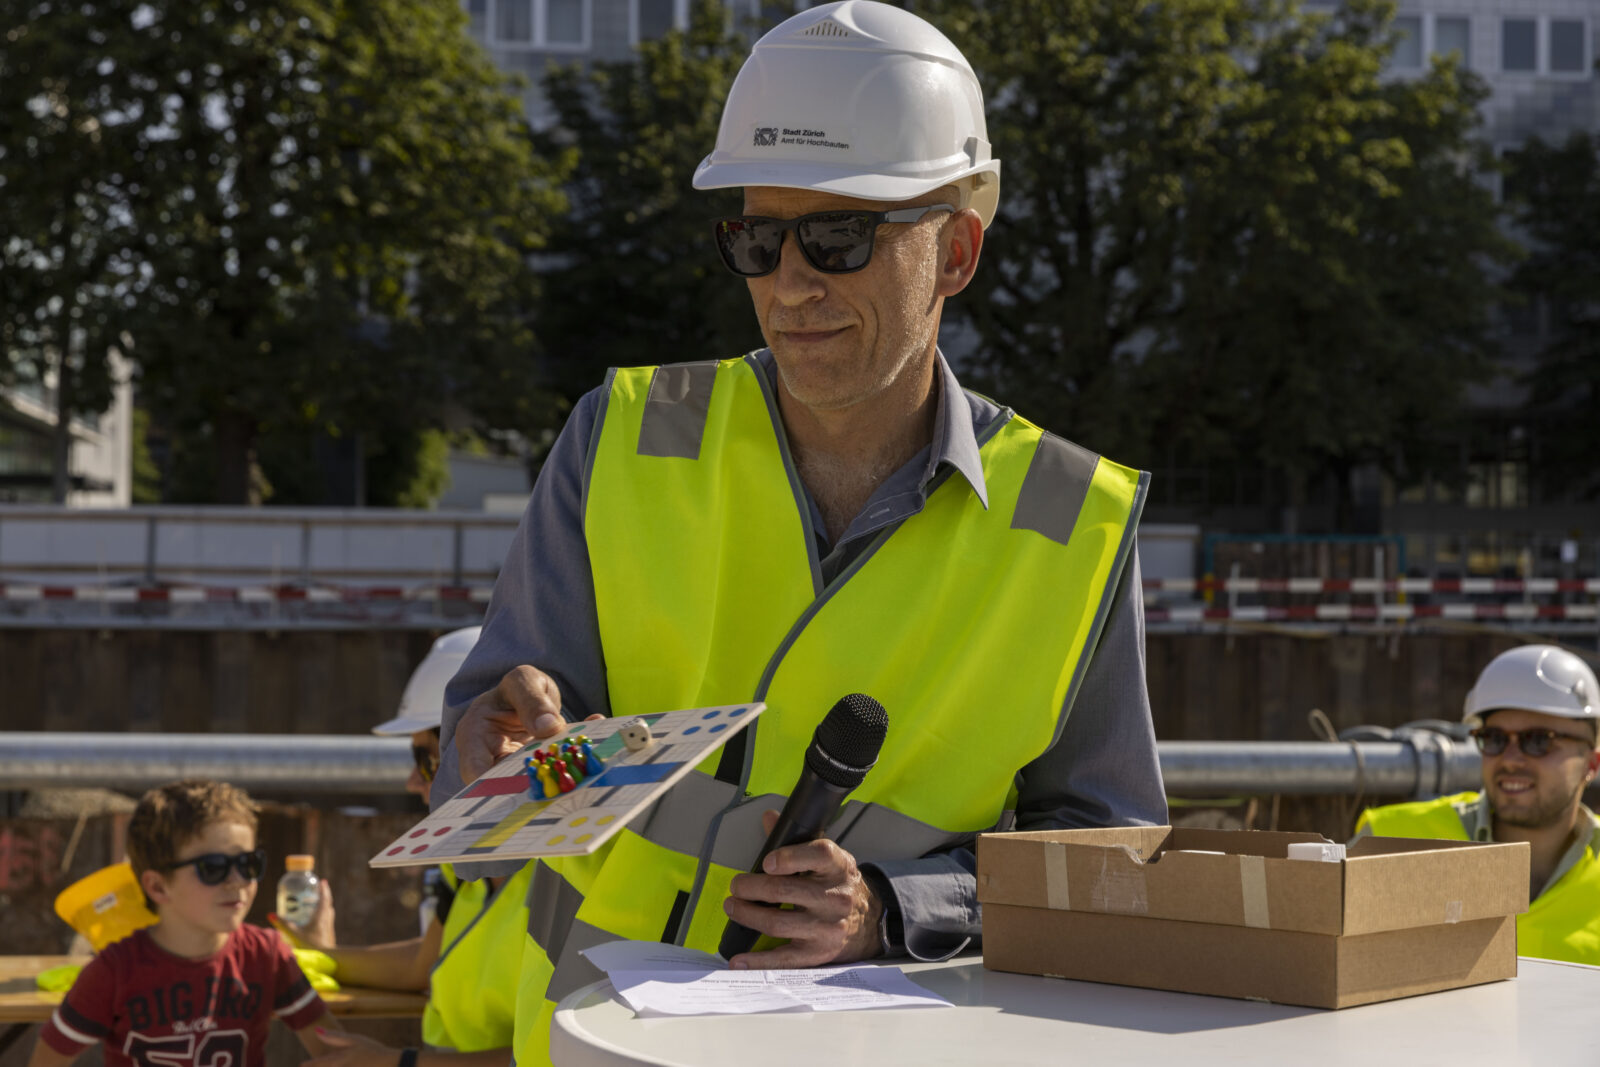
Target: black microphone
842 751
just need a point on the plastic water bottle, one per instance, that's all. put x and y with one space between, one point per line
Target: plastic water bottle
299 891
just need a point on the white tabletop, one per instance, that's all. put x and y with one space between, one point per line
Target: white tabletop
1544 1017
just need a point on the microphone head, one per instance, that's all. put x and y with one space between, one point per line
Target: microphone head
847 741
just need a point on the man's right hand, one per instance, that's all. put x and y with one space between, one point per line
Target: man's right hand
525 706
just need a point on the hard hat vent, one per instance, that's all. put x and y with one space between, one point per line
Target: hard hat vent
826 28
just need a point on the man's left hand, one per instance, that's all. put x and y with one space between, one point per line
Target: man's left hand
834 914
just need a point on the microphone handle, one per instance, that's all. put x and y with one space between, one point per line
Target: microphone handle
810 808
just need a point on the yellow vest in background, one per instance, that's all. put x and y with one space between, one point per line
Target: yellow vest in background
970 625
1562 923
472 992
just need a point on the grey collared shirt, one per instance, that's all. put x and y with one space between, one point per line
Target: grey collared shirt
1102 771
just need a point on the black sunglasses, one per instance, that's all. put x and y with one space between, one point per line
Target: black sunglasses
1535 744
834 242
427 762
213 867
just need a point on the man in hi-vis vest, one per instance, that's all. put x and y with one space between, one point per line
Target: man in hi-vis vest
1535 712
831 514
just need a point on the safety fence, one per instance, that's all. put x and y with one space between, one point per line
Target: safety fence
1169 601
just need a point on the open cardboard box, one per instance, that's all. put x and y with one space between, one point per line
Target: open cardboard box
1138 906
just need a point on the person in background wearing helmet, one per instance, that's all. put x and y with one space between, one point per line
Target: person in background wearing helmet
478 925
832 514
1535 711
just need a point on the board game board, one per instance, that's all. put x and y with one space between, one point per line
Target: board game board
496 817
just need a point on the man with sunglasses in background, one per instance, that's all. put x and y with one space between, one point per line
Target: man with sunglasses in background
831 514
1535 712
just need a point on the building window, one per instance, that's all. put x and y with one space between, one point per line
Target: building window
560 25
564 21
1452 34
1408 42
1568 51
656 17
1519 50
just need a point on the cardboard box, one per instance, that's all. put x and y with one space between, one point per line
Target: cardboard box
1145 906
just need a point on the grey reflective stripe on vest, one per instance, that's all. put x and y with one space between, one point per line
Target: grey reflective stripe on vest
1054 489
679 819
675 411
873 832
552 909
573 971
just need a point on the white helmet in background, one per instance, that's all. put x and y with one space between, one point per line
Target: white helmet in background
1542 678
422 703
858 99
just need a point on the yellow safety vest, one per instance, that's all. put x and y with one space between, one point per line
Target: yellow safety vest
971 626
1562 923
472 1000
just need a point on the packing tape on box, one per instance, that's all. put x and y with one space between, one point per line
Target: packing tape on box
1452 912
1055 877
1120 891
1253 886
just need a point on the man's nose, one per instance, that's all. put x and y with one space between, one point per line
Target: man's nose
796 280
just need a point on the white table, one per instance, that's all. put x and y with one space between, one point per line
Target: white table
1549 1016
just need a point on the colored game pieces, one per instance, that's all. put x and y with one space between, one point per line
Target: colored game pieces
560 768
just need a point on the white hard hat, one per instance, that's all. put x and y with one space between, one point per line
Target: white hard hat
422 703
1542 678
859 99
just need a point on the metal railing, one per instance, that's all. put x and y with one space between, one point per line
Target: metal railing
1422 764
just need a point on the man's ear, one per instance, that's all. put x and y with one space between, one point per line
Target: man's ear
960 243
154 886
1594 765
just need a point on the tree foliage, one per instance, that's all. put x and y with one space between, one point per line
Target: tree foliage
1557 195
327 210
633 277
1224 237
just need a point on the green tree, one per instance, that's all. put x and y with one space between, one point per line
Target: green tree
1224 236
335 207
1556 189
633 277
68 251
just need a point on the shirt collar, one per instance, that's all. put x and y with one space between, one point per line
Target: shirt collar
1478 819
955 435
955 425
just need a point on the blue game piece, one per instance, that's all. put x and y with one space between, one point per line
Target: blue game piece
535 787
592 764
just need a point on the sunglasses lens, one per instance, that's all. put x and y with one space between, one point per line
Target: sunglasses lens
427 762
212 868
749 246
1491 741
838 241
1535 743
251 864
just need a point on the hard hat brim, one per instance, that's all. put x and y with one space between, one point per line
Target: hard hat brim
879 188
405 725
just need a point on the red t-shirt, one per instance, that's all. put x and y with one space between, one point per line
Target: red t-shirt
154 1009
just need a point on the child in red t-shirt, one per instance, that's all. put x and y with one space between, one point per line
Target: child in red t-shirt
199 988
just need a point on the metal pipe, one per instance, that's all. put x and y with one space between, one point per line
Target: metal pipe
1422 764
277 763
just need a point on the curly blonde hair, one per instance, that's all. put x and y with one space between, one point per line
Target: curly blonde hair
170 816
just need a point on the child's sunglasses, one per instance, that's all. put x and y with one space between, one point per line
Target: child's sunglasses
834 242
212 867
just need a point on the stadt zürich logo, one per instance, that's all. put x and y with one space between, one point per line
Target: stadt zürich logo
766 135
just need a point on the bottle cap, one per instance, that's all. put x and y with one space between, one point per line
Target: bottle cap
299 863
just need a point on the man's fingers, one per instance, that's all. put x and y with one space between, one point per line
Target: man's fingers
822 857
533 696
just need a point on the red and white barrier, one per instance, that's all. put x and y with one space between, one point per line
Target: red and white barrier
1375 586
1372 612
242 594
